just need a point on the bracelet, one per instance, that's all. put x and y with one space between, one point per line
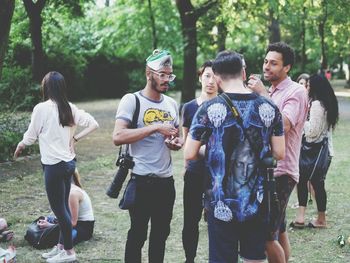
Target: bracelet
75 139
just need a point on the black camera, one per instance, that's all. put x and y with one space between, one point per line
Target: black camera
273 204
269 162
125 162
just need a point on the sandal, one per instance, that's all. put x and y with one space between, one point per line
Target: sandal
313 225
298 225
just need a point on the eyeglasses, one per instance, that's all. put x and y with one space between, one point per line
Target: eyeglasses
163 76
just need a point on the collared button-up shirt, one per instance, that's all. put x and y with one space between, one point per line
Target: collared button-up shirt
292 100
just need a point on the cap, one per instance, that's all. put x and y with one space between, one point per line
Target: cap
159 59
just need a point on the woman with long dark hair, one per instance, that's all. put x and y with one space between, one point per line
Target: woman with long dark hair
54 123
322 119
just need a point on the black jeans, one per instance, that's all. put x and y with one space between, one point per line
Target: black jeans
57 183
83 231
317 182
154 201
193 207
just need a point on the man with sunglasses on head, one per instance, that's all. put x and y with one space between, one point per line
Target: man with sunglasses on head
150 144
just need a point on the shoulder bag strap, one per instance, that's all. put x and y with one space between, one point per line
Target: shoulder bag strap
236 115
229 103
136 113
135 118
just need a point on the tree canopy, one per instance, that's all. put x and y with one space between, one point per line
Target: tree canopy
101 49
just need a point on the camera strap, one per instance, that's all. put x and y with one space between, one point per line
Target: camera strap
135 118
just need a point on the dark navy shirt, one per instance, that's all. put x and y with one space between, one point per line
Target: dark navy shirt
233 155
189 110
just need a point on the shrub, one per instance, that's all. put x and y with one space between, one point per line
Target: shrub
12 127
71 66
17 90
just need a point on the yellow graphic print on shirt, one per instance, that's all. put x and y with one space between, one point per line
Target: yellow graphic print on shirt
153 115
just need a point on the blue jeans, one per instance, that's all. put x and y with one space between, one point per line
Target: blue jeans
154 202
57 183
224 238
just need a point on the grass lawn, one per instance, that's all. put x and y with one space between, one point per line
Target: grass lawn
23 198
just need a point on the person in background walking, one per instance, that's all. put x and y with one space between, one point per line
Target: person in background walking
303 79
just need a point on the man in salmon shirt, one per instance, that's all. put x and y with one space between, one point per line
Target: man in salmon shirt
291 99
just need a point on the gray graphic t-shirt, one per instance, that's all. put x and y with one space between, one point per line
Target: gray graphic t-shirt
150 154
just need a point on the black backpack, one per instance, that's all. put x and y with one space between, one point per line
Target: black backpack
42 238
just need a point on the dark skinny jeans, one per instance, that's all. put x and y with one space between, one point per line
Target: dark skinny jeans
193 207
317 182
57 183
155 199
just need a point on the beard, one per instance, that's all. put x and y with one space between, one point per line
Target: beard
157 87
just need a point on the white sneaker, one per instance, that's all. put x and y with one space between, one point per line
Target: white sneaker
52 253
62 257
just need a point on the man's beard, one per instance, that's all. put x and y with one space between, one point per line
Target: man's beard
154 86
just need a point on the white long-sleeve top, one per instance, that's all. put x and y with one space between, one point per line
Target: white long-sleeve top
316 127
54 139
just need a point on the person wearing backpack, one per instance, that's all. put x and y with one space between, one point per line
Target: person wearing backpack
244 128
53 123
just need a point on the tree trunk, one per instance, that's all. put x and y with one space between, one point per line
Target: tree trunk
35 22
303 41
189 33
323 47
153 25
274 28
348 75
222 34
189 16
321 31
6 12
107 3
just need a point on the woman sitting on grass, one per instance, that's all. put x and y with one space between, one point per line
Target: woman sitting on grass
81 212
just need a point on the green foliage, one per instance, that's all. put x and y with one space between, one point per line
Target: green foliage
101 51
71 66
12 127
17 91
